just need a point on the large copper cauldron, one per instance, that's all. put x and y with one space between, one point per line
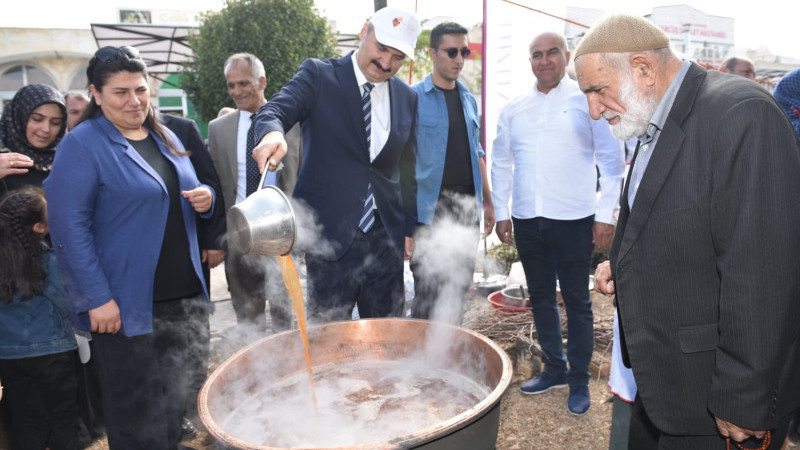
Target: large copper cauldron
259 366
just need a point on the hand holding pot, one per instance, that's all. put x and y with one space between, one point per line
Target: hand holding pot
270 150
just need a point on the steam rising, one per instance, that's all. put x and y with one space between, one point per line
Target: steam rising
365 397
309 231
445 256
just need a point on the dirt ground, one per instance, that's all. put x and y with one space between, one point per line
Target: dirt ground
542 421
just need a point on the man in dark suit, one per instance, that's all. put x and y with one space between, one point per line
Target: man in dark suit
704 261
357 178
210 232
252 279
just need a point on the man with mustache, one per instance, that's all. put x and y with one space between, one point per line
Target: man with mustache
357 180
704 260
546 150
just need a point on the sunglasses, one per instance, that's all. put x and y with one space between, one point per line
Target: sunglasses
109 54
452 52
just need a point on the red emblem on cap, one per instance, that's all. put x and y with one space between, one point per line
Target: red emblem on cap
396 21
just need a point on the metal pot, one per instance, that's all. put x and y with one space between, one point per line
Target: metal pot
258 368
263 223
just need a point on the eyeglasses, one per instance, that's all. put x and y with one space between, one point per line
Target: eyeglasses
109 54
452 52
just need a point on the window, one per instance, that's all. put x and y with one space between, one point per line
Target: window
79 81
18 76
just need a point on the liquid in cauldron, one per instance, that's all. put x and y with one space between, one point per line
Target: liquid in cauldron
358 403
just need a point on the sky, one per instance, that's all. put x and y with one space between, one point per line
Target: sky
772 25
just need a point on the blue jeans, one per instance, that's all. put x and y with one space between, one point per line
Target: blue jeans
559 249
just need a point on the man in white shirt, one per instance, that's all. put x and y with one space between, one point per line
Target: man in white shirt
252 279
545 152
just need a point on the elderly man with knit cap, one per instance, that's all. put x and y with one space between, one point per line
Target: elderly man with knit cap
704 260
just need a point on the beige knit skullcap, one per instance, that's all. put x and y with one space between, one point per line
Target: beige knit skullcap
622 33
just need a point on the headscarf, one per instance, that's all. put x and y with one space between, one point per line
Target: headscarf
14 123
787 92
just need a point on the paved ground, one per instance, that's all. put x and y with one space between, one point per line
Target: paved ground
223 316
226 336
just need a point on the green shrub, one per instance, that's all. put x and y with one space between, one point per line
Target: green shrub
505 255
281 33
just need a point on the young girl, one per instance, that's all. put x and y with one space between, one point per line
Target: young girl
37 343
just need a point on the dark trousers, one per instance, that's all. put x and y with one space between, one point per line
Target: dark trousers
444 259
370 275
144 381
559 249
40 401
90 397
198 333
253 280
645 435
620 424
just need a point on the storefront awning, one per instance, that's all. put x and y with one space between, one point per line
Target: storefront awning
164 48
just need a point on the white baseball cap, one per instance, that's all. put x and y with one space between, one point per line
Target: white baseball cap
397 29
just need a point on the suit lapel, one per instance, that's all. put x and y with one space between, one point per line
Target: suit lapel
669 145
129 151
352 99
231 135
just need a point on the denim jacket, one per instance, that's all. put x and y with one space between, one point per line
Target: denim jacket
432 129
40 325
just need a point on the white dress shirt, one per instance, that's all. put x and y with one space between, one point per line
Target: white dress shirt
241 150
546 148
381 115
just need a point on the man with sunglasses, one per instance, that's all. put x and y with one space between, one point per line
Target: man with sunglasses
546 149
451 181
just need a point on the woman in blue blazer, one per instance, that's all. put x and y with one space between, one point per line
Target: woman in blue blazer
123 203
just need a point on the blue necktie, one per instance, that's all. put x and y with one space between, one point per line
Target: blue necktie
253 176
367 214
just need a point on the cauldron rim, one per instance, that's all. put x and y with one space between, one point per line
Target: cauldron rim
424 435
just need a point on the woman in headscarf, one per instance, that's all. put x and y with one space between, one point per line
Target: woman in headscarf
31 127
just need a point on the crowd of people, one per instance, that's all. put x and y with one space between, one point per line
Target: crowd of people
111 216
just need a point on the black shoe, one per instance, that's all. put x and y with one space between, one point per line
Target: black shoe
188 431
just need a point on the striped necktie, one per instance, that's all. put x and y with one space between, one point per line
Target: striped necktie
367 213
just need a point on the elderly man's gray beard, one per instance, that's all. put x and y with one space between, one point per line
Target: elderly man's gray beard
640 109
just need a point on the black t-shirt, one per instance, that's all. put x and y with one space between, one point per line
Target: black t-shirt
457 163
175 277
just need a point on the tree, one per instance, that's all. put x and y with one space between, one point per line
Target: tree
422 60
281 33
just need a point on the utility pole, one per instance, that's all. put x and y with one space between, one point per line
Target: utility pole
687 29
